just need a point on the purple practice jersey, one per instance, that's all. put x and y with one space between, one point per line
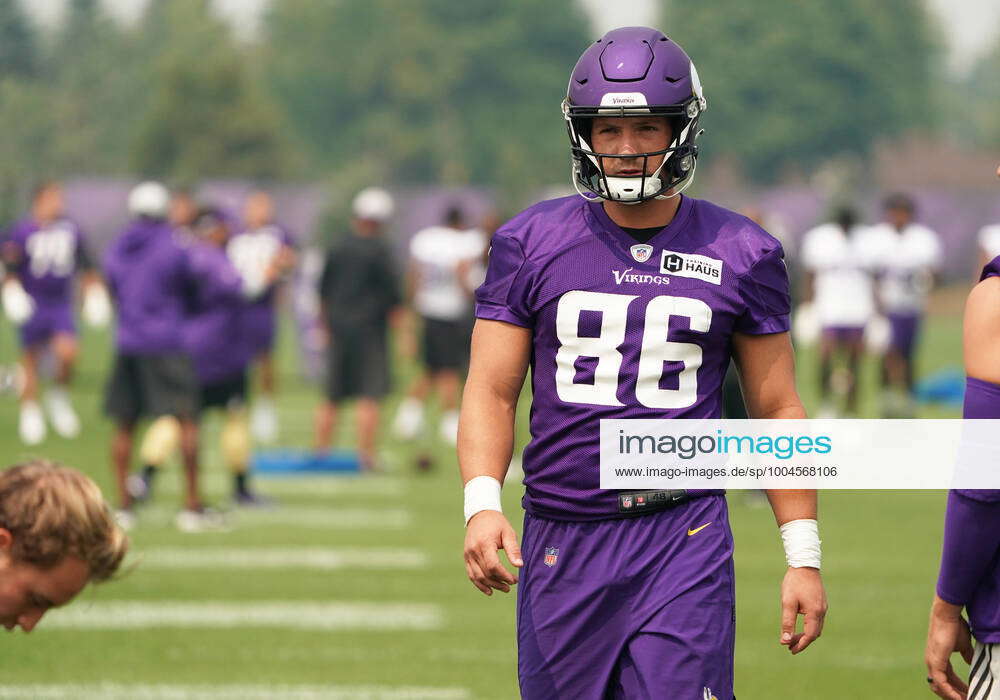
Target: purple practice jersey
252 252
147 271
623 329
992 269
214 331
45 259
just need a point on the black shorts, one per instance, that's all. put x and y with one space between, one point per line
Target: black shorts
446 344
357 364
228 394
151 386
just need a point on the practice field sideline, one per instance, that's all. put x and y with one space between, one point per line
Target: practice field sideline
391 547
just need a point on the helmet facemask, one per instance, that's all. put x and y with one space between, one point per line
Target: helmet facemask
672 176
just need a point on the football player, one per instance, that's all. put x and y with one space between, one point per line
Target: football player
909 255
626 303
43 253
839 285
441 258
359 295
255 251
152 277
56 535
970 562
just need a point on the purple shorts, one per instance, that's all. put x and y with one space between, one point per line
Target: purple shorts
904 329
46 322
630 608
844 334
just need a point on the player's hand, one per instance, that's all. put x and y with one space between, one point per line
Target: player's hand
802 593
947 633
488 532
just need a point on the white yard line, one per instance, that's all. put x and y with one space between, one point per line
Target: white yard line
117 615
121 691
168 483
313 517
280 558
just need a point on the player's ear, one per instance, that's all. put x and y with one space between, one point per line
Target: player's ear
6 541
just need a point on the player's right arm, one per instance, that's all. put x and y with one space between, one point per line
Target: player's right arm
499 362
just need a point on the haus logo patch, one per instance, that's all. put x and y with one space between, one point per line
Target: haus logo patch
697 267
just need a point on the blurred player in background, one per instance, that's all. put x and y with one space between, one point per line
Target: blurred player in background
43 254
989 245
56 535
220 342
438 280
970 563
183 208
627 303
908 255
256 251
359 291
839 286
152 278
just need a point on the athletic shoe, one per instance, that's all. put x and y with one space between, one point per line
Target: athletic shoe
32 423
449 427
409 419
252 499
202 520
140 486
64 418
264 421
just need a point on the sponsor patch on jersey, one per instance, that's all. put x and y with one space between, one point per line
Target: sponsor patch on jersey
697 267
641 252
551 556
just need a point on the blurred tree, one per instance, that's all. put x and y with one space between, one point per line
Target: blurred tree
428 91
18 41
789 87
980 100
207 117
97 91
23 137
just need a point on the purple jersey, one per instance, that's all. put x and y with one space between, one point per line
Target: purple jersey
622 329
149 278
214 333
45 259
992 269
252 252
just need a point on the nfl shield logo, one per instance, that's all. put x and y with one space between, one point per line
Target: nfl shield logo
626 501
551 554
641 252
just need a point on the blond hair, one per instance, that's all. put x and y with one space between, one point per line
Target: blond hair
53 512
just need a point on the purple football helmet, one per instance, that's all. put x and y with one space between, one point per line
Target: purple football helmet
631 72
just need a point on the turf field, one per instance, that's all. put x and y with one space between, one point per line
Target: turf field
354 587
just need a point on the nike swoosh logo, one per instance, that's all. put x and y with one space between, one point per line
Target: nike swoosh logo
698 529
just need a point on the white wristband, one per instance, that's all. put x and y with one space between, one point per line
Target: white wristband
481 493
802 545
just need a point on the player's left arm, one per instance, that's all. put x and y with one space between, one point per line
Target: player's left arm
970 533
766 364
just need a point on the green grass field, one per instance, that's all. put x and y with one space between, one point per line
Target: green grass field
384 609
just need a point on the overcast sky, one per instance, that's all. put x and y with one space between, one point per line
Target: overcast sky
971 26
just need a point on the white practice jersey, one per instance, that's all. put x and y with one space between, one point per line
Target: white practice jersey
843 275
437 252
989 240
906 262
